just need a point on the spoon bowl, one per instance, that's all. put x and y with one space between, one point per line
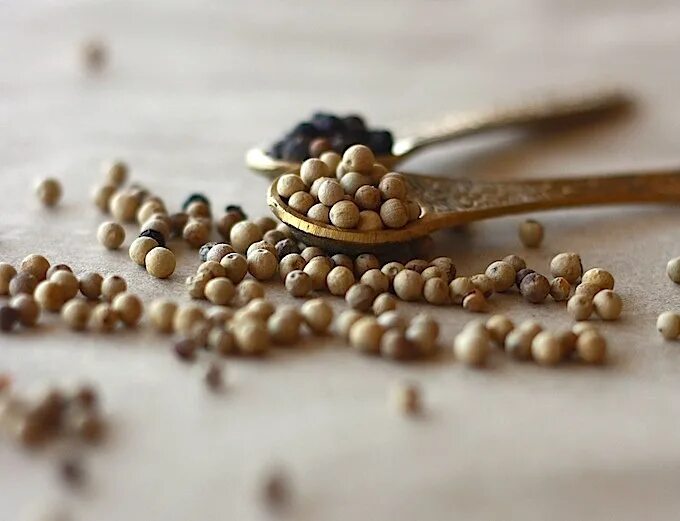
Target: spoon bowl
539 113
448 202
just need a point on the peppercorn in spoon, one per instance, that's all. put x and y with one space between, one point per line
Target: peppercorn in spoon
339 134
445 203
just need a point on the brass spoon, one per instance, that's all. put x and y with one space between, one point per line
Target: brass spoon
532 114
448 202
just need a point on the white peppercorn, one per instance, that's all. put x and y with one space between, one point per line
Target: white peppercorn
301 202
413 210
68 282
377 172
434 272
292 262
392 187
110 287
405 398
298 283
219 252
339 280
518 344
459 288
330 192
320 213
367 198
582 327
396 346
331 159
261 308
157 224
252 337
376 279
408 285
673 270
57 267
384 302
284 325
391 269
531 233
196 233
477 327
369 221
22 283
587 290
262 264
266 223
160 262
139 249
186 317
248 290
591 347
499 327
129 308
101 196
317 315
567 340
436 291
392 319
358 158
36 265
115 172
534 288
344 214
162 315
221 341
470 348
365 335
110 235
90 284
394 213
560 289
103 319
517 262
668 324
288 184
418 265
607 305
76 314
235 267
423 333
446 267
313 169
49 295
352 181
502 276
123 206
546 348
7 272
345 321
149 208
531 327
475 302
483 283
48 191
598 277
219 291
273 237
243 234
580 307
567 265
360 297
314 189
28 308
312 251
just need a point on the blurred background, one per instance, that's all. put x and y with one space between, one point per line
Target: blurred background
186 87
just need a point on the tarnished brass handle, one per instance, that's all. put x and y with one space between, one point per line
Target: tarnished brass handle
447 202
537 113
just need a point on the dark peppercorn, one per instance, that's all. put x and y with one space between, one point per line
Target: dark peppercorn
304 129
213 376
276 492
296 148
236 208
381 142
327 124
276 149
318 146
193 198
155 235
354 123
286 247
86 397
203 250
185 349
71 472
91 428
178 221
9 317
521 274
534 288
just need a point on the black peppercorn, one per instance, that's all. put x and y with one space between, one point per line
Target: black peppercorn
203 250
155 235
521 274
327 124
380 141
534 288
186 349
304 129
236 208
193 198
296 148
354 123
276 149
286 247
8 318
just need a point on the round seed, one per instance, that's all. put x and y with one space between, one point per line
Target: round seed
352 181
139 248
591 347
116 172
339 280
502 275
459 288
360 297
598 277
319 212
101 196
48 191
393 320
262 264
534 288
499 327
186 318
396 346
446 267
673 270
365 335
196 233
607 305
248 290
391 269
567 265
471 348
394 213
383 303
408 285
23 282
518 344
301 202
344 214
220 291
312 251
110 235
49 295
36 265
123 206
367 197
475 302
521 274
160 262
318 315
235 267
103 318
436 291
332 160
517 262
376 279
243 234
330 192
358 158
288 184
546 348
531 233
580 307
7 273
68 282
364 263
76 314
345 321
369 221
668 324
292 262
405 398
483 283
162 314
111 286
392 187
313 169
129 308
284 326
560 289
298 283
28 309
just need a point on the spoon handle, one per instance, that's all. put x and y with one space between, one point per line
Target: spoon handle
541 112
450 202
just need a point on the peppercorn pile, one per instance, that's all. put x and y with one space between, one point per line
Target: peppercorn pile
325 132
352 191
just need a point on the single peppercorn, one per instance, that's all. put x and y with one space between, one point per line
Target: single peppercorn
534 288
607 305
365 335
531 233
668 324
103 318
471 348
36 265
22 282
580 307
360 297
546 349
475 302
591 347
515 261
162 313
499 327
7 273
339 280
28 308
317 315
598 277
49 295
129 308
160 262
48 191
521 274
560 289
110 287
408 285
459 288
567 265
502 275
90 285
405 398
9 317
298 283
76 314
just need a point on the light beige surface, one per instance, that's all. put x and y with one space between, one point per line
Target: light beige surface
190 86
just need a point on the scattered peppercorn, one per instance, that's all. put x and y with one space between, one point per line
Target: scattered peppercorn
534 287
48 191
